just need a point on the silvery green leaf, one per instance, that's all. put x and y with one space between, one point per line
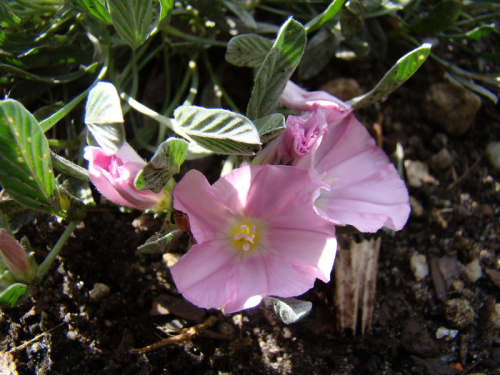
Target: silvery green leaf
218 130
404 68
104 118
248 50
166 162
277 68
288 310
160 244
132 20
270 126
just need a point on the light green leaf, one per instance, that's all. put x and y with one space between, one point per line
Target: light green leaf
26 172
438 19
104 118
166 162
165 7
7 16
96 8
475 33
277 68
248 50
270 126
395 77
12 295
132 20
325 16
218 130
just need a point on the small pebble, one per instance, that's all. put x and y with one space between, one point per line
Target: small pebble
99 291
445 333
451 106
473 270
493 154
442 160
459 313
419 266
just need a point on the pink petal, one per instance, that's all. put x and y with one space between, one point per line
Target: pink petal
365 188
273 188
305 247
381 199
297 98
205 275
208 217
269 275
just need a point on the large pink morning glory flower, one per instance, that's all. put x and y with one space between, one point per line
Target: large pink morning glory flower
364 188
113 176
257 235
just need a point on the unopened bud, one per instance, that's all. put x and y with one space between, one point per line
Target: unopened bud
13 254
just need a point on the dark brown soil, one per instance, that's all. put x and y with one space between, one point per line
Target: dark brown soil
77 330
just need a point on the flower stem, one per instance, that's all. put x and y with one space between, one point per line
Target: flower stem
44 267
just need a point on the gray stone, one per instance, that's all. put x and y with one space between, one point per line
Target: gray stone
451 107
442 160
493 154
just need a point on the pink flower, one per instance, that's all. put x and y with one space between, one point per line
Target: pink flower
364 188
13 254
257 235
301 100
113 176
296 140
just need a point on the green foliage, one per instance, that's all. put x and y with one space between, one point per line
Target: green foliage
165 163
404 68
26 172
13 295
248 50
104 118
276 69
219 131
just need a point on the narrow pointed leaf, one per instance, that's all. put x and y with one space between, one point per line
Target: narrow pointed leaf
166 162
325 16
218 130
26 172
395 77
104 118
277 68
248 50
132 20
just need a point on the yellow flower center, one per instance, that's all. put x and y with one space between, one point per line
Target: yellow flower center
245 236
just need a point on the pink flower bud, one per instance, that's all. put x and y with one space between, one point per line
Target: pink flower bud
13 254
114 175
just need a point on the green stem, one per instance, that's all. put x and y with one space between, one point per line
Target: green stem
44 267
216 82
